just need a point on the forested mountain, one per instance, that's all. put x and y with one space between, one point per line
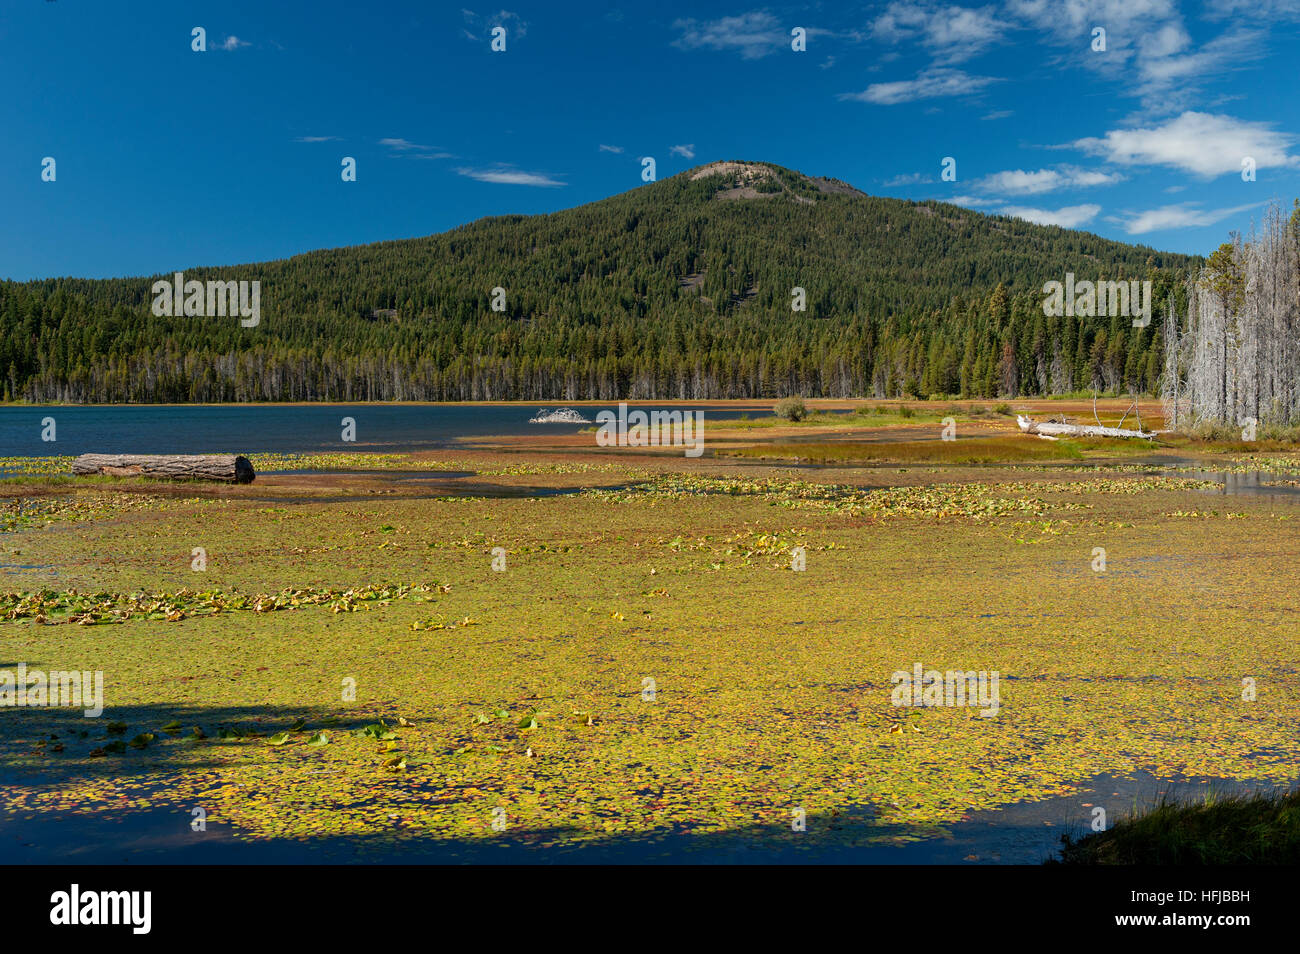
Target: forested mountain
677 289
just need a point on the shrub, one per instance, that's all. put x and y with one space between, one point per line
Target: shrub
791 408
905 411
1280 432
1003 408
1215 431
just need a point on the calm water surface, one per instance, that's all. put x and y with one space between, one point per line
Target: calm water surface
284 429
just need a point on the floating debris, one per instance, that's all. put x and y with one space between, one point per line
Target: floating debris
563 415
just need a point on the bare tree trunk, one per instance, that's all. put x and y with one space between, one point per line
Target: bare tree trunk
1029 426
227 468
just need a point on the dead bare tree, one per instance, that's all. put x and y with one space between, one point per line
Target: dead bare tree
1236 357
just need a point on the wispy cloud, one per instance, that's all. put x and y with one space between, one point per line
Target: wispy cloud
1170 75
909 178
232 43
1203 144
413 150
950 33
1263 9
753 35
317 139
1182 215
1148 47
1076 15
687 150
1149 52
1068 217
479 28
617 150
507 175
402 145
1039 181
929 84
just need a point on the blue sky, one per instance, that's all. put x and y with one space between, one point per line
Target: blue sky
167 158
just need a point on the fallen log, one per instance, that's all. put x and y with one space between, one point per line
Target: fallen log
228 468
1053 430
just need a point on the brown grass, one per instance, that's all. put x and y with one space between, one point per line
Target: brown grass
982 450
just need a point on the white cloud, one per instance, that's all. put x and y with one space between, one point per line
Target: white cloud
998 114
1076 18
950 33
317 139
687 150
1150 53
1022 182
930 84
1203 144
505 175
232 43
1068 217
1182 215
617 150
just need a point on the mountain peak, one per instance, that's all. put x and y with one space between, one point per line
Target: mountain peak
748 171
761 180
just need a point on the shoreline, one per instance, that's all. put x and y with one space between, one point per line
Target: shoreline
739 403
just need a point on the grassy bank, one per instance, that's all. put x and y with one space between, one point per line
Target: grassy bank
977 450
1260 829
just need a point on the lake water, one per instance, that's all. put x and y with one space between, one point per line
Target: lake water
285 429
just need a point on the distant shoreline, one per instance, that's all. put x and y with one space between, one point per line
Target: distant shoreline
551 403
1063 401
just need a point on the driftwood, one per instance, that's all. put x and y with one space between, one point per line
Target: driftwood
229 468
564 415
1053 430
